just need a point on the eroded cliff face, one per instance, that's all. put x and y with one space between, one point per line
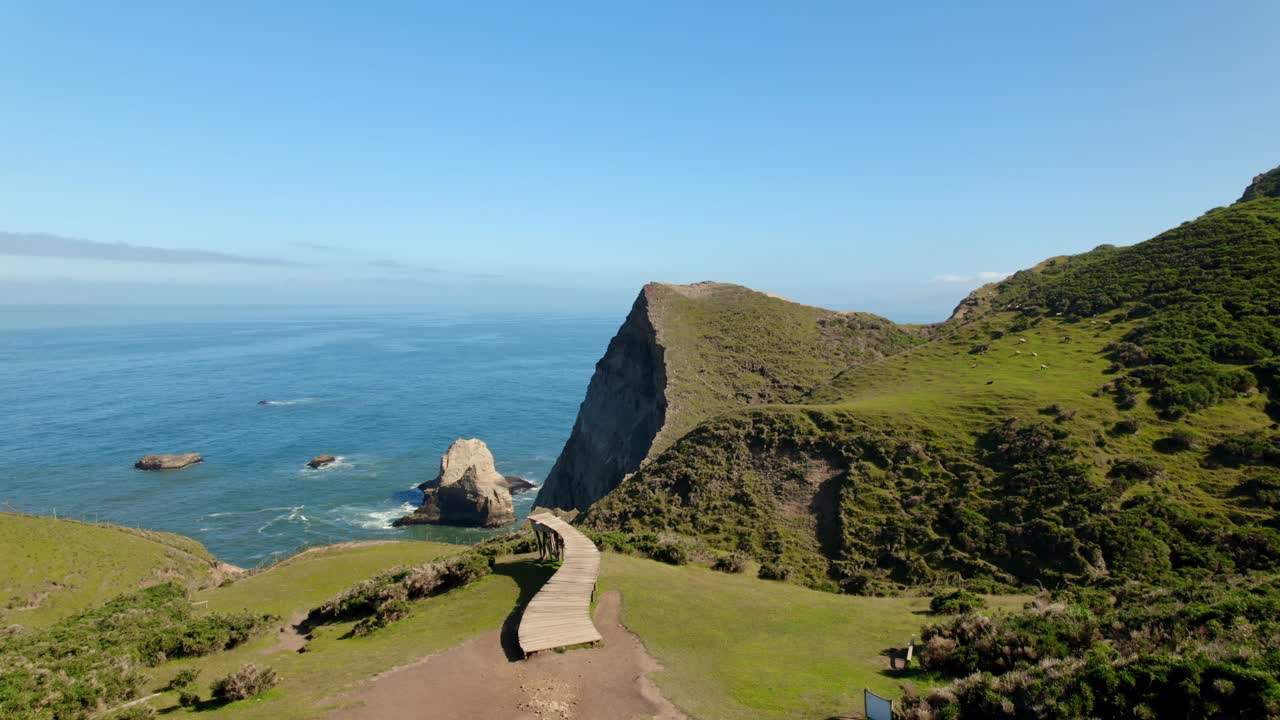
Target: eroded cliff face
689 352
624 409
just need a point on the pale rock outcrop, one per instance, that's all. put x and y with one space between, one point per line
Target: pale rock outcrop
469 491
168 462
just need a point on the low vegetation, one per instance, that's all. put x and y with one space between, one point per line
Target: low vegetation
97 659
244 683
1190 650
55 568
384 599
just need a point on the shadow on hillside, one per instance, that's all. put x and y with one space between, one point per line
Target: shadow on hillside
530 576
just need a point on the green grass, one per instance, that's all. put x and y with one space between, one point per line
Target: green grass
310 682
864 482
60 567
732 646
726 346
303 581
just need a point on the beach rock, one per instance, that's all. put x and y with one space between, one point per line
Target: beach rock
168 462
517 484
468 491
320 461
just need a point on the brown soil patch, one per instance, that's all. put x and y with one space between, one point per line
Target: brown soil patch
477 680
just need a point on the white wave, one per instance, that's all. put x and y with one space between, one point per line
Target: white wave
373 519
339 463
294 515
299 401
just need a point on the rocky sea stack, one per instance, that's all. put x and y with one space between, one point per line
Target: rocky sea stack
468 492
168 462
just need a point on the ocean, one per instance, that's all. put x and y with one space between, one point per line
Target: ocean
85 392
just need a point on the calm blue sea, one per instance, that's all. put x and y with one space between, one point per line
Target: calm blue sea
84 392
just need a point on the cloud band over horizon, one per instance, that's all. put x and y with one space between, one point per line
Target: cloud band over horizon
56 246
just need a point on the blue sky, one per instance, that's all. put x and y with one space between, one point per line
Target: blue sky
886 157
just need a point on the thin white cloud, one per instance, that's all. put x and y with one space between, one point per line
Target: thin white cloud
985 276
402 266
54 246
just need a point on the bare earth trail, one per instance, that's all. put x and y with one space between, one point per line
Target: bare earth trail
478 680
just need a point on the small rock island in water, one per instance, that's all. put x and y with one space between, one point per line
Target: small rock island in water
168 462
320 461
469 491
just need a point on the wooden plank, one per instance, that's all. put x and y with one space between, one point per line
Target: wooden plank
559 615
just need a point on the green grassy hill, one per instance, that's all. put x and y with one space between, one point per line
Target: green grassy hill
726 346
1099 418
807 654
55 568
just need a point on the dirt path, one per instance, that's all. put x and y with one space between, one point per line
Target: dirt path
477 680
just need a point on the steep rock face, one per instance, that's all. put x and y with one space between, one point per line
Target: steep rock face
624 409
689 352
468 491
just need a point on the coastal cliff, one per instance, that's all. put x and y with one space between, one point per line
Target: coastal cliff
688 352
624 409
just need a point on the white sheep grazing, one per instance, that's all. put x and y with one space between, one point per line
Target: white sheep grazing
1022 339
1017 352
1093 322
1035 354
1106 322
1043 366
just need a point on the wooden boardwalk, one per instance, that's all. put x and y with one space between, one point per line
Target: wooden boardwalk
560 614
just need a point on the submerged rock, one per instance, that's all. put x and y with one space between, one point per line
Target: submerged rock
320 461
518 484
468 491
168 462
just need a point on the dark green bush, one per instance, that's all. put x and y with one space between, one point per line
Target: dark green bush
734 562
956 602
382 600
94 659
244 683
188 699
1127 426
773 571
184 678
671 553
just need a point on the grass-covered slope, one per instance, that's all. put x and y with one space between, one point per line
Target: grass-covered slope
733 646
54 568
1100 418
688 352
726 346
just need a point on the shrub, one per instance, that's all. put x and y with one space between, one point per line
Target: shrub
244 683
955 603
1127 426
671 553
95 659
773 571
383 599
1133 471
387 613
188 699
184 678
734 562
1179 440
1256 448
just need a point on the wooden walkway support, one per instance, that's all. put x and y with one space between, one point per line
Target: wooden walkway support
560 614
